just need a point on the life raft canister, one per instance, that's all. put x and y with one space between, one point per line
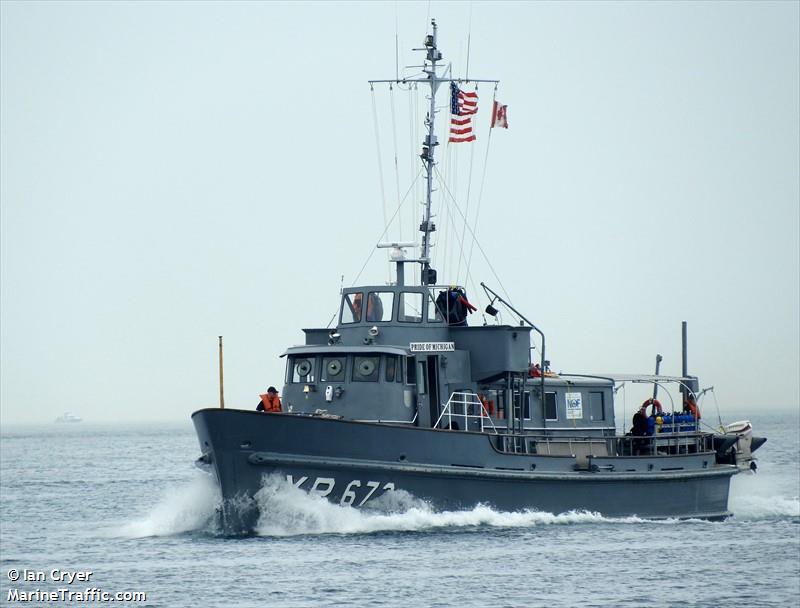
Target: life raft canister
657 409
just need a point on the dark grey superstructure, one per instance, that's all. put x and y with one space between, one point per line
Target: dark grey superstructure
403 394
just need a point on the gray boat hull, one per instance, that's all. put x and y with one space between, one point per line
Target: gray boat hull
354 463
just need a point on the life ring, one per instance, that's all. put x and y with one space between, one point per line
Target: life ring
657 409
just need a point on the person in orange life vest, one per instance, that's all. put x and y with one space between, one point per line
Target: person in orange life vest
270 401
487 405
374 307
690 405
357 307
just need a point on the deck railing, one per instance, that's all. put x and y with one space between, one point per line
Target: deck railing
463 407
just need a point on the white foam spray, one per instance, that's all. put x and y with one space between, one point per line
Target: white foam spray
763 496
181 509
287 511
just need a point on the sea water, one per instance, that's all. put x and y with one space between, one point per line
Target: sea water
90 510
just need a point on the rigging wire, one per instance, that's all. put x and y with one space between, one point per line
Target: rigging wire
382 234
444 224
396 45
480 191
413 158
386 229
396 167
469 40
485 257
466 211
452 175
379 159
470 284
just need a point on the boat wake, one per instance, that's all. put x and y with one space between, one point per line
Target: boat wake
763 496
290 511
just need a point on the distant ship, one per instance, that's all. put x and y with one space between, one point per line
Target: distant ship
68 417
403 394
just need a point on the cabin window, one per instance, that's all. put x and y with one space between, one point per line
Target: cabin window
301 370
526 405
391 368
597 409
409 310
411 370
332 369
497 400
351 307
550 411
366 369
379 306
434 315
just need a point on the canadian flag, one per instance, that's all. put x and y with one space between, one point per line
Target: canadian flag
499 116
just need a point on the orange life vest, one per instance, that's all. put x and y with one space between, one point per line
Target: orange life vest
271 404
487 405
691 407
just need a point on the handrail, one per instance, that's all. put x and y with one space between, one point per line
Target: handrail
465 399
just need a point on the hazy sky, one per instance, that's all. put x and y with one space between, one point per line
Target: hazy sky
172 172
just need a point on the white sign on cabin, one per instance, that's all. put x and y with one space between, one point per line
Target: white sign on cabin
431 347
574 406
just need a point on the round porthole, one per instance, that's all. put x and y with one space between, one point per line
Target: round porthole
334 367
366 367
303 367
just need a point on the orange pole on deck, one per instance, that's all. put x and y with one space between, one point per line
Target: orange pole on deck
221 389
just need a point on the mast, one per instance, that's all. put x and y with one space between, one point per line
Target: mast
428 275
432 56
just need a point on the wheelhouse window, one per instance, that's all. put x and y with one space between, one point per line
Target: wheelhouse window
394 373
411 370
301 369
379 306
597 410
352 303
409 310
366 369
434 314
332 369
550 411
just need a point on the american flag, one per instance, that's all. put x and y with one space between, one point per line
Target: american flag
462 104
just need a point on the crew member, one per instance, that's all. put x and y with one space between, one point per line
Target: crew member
639 446
690 406
270 401
374 308
357 307
488 406
639 423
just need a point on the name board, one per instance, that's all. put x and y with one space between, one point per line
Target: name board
431 347
574 406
